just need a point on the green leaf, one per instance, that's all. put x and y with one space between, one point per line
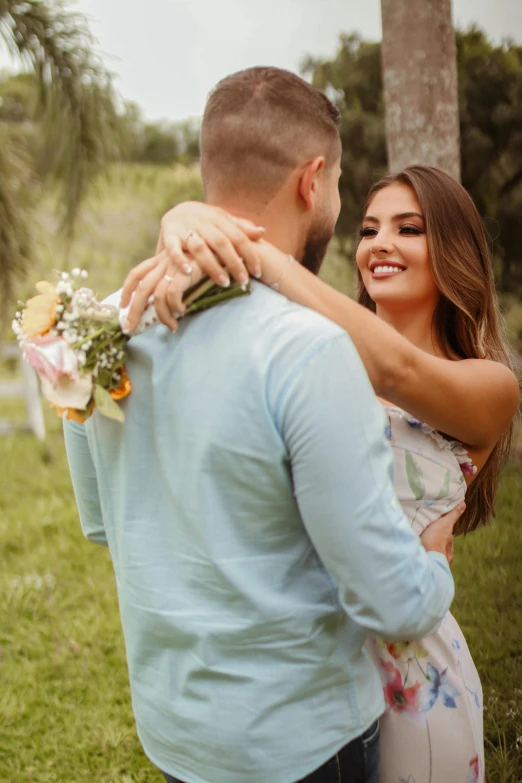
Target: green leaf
444 490
106 405
415 477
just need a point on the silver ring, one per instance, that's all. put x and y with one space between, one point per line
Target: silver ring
168 278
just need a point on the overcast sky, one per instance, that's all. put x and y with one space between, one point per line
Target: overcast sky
169 53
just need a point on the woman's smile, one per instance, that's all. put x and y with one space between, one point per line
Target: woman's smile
382 270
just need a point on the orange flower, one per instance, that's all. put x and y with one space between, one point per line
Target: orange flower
39 313
72 414
123 389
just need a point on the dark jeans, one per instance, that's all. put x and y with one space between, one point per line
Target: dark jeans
357 762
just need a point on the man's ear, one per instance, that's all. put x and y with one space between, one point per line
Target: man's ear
309 181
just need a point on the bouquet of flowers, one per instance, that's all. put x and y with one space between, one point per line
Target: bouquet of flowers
77 344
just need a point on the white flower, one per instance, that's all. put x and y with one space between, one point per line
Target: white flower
70 336
75 272
84 275
68 393
63 287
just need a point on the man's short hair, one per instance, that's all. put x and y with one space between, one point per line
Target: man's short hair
258 125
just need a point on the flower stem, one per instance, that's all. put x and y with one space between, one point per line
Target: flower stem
92 336
209 301
198 290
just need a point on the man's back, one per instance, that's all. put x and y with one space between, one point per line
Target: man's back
244 665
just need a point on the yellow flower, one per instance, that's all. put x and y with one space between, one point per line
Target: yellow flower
39 313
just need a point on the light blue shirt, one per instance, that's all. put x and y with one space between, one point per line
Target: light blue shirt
248 505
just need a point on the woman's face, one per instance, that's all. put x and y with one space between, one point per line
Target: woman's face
392 255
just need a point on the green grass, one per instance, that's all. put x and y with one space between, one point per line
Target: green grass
488 607
65 713
64 706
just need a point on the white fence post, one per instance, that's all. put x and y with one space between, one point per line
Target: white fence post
27 388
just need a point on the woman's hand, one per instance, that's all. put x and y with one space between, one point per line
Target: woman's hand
196 239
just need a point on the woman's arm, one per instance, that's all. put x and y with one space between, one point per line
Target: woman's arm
472 400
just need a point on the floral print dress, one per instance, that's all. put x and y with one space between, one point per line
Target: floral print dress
432 729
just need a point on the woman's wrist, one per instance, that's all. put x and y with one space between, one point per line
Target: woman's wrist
275 265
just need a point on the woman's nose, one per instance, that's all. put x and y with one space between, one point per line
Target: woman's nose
381 247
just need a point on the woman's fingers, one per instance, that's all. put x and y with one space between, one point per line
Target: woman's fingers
245 249
135 277
202 253
174 299
228 247
188 225
172 244
144 291
161 303
250 229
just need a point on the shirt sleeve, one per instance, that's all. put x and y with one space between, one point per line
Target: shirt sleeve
84 481
342 469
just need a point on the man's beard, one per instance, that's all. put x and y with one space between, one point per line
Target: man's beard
316 246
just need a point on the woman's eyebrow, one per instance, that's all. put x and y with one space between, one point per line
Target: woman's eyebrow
408 215
400 216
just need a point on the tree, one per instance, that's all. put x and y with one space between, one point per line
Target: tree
490 105
353 80
74 104
159 142
419 61
490 98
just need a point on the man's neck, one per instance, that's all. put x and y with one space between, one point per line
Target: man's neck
280 223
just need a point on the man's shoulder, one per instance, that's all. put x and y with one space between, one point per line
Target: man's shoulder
281 337
279 313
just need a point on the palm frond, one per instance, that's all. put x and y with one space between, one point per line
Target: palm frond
15 237
76 93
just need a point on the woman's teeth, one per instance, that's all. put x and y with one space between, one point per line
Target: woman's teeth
387 269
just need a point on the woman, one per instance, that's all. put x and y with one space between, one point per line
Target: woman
435 350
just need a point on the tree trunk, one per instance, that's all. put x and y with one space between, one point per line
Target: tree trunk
419 59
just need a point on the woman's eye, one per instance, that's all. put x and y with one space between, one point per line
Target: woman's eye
410 230
367 232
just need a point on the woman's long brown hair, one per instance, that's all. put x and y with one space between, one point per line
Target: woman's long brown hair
466 320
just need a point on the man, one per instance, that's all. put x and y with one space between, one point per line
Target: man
247 500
